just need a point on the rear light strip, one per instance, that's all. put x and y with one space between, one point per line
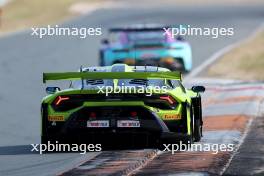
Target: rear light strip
60 99
168 99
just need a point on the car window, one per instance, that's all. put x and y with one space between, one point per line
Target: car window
170 84
92 83
95 83
177 83
142 82
146 36
118 38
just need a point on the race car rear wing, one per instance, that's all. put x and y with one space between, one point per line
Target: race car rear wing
134 29
138 28
111 75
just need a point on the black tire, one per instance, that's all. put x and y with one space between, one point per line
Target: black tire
191 137
44 140
197 130
188 140
118 62
197 126
101 58
185 110
178 67
182 66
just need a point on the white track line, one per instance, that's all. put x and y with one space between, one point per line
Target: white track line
143 163
241 141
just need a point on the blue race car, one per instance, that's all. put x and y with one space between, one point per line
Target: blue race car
146 45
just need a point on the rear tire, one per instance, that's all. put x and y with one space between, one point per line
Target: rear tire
191 138
181 66
101 58
197 130
44 140
192 125
118 62
197 127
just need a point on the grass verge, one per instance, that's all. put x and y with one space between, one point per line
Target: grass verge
245 62
20 14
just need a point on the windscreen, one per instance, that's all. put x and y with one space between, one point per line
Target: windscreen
138 37
147 36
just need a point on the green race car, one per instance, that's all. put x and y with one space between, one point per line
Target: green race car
131 105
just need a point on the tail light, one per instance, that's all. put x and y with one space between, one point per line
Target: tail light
169 99
65 103
60 99
162 102
134 114
92 115
168 60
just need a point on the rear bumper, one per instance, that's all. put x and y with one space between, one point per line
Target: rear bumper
122 140
152 133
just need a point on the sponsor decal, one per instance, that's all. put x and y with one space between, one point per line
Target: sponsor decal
172 117
98 124
128 123
56 118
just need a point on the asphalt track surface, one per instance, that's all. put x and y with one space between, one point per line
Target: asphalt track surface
23 58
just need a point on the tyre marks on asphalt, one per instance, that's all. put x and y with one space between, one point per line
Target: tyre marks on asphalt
192 163
114 163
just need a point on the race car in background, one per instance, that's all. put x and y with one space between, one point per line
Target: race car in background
83 113
146 45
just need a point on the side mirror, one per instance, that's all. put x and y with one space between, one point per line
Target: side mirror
198 89
104 41
52 90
